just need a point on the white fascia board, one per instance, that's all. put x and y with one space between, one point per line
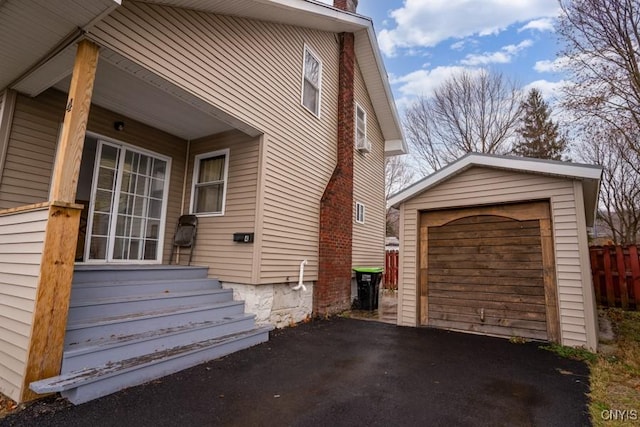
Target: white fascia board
517 164
387 91
395 147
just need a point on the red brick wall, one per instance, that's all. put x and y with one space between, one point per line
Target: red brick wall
332 292
348 5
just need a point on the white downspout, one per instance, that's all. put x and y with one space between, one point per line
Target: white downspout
301 277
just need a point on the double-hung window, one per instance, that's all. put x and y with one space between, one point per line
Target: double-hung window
361 126
311 82
210 172
359 213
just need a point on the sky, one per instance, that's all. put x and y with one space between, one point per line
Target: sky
425 41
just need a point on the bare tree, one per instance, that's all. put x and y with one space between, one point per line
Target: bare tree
602 54
620 187
469 112
398 175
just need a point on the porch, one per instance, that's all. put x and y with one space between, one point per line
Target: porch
51 216
130 324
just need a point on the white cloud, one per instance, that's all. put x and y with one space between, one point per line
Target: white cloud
550 90
425 23
551 66
544 24
463 44
459 45
503 56
423 82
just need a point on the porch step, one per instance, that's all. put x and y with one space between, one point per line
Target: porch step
88 308
82 385
127 273
107 289
131 324
119 347
87 330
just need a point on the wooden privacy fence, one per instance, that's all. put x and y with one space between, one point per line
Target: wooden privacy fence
616 276
390 279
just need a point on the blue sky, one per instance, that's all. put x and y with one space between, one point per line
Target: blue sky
425 41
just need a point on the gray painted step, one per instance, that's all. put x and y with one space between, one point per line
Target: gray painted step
80 310
82 386
120 347
90 329
112 289
129 324
117 273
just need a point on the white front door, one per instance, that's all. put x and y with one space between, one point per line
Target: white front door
128 203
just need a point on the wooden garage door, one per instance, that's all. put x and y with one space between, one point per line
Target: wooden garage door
486 271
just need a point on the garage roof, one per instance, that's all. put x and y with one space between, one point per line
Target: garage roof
589 175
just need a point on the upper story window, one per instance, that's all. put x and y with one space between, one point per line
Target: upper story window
311 82
209 189
362 143
359 213
361 126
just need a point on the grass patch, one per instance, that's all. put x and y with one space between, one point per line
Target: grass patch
615 374
575 353
615 377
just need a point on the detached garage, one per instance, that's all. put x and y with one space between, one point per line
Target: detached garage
498 245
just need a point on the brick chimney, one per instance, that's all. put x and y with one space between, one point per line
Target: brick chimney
348 5
332 292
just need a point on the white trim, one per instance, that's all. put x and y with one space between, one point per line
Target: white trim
588 292
315 56
364 112
185 178
196 171
390 149
357 212
589 174
165 202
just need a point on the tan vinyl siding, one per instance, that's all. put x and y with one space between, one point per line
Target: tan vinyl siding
31 151
251 70
21 244
491 186
368 187
227 260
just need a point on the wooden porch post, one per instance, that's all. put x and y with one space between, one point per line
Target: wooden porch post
44 356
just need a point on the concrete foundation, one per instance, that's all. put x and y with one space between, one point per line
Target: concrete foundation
275 304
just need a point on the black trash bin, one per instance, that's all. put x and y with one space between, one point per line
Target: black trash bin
368 279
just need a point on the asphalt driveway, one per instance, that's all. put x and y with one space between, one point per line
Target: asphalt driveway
352 373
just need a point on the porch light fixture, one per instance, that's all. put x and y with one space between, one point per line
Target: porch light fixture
119 126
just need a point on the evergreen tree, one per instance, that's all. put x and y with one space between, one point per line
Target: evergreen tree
538 134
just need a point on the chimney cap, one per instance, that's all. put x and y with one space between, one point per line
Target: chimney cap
346 5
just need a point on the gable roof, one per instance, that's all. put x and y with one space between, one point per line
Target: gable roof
32 45
589 175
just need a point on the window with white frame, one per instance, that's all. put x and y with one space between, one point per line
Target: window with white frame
209 189
361 126
359 213
311 81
